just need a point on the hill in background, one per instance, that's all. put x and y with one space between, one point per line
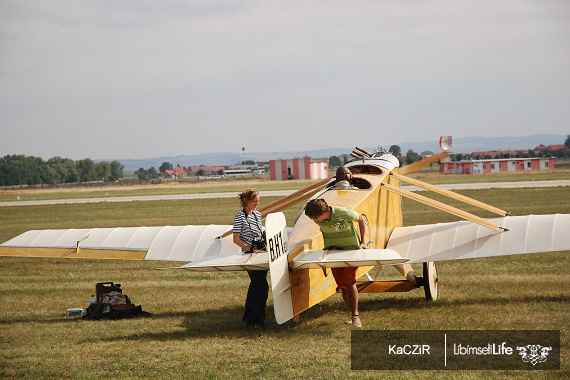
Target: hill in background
460 145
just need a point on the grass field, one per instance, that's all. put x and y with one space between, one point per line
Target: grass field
196 330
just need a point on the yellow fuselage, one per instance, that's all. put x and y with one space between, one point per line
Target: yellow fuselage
383 212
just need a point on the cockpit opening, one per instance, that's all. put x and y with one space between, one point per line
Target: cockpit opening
346 181
366 169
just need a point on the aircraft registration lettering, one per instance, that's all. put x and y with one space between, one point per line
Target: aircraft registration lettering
322 285
276 246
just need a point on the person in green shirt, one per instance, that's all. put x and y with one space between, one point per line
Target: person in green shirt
339 232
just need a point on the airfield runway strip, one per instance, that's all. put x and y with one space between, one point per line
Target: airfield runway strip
279 193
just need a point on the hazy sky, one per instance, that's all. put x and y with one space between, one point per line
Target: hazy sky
136 78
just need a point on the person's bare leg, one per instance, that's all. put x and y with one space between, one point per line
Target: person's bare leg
346 300
352 296
344 293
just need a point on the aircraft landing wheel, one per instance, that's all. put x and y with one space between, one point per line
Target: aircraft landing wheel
430 281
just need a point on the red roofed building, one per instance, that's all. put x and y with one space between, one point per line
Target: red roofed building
552 147
177 172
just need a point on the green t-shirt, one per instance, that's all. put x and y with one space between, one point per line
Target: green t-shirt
340 231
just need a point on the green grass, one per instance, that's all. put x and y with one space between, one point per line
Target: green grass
196 331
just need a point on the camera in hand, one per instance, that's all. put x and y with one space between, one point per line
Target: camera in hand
258 244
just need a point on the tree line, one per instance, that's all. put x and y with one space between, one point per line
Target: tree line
30 170
151 173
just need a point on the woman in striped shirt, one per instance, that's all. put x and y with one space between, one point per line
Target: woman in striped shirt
248 234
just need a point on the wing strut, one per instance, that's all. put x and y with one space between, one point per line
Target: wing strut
451 194
291 202
300 193
442 206
420 164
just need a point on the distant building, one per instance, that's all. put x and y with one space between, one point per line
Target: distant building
552 148
245 170
237 173
298 168
496 165
177 172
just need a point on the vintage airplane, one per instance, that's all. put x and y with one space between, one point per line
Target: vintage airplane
299 268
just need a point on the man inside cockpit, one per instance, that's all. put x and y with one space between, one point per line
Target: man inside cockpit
343 179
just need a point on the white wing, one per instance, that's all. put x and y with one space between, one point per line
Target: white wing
466 240
352 258
175 243
305 260
239 262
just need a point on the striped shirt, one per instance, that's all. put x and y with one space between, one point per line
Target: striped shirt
248 228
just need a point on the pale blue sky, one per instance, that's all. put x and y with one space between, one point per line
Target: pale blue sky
136 78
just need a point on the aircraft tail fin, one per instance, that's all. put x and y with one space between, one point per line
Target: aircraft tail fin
276 231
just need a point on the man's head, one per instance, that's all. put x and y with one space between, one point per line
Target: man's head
316 208
343 174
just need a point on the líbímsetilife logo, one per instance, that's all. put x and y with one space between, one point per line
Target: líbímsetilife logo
534 353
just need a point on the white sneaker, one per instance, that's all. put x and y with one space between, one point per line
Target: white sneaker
355 322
